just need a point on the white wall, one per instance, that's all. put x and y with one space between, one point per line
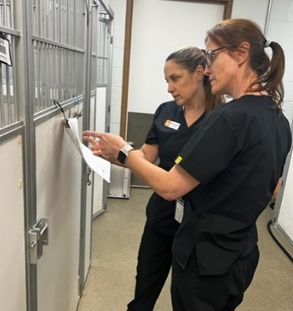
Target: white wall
119 8
254 10
154 37
280 29
12 239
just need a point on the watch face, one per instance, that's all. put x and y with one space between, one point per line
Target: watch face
121 157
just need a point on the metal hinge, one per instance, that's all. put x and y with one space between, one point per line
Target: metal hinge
38 237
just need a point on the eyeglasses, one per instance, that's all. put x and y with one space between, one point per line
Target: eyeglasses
209 54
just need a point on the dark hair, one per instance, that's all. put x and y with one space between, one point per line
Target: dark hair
270 72
190 58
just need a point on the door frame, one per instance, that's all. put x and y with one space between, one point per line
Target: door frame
228 4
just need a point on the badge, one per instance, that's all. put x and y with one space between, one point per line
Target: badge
179 211
172 124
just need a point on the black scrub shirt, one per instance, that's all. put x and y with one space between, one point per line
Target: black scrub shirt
170 132
237 155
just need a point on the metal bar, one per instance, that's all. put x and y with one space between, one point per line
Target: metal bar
11 131
37 76
47 75
86 119
10 31
50 20
60 24
61 45
42 30
103 57
284 234
74 13
266 26
44 18
4 12
50 72
106 46
59 70
107 8
99 53
67 76
70 23
44 74
52 111
68 32
108 98
58 20
47 34
41 18
73 74
41 76
98 214
8 14
11 13
54 21
75 77
2 116
14 79
54 64
27 78
8 102
61 75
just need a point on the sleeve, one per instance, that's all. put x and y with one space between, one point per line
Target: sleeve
211 148
152 135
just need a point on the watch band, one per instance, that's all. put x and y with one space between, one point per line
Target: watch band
123 153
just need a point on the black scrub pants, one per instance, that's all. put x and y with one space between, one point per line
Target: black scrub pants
154 263
194 292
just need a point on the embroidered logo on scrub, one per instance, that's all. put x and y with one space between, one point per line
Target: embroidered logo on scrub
178 160
172 124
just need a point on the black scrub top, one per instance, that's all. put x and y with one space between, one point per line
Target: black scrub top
170 132
237 155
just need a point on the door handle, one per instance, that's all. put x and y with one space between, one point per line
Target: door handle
38 237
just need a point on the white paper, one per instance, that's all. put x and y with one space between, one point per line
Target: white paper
99 165
5 51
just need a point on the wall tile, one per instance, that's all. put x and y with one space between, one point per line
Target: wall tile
117 77
119 17
118 54
117 3
116 93
290 12
288 90
244 9
119 35
115 128
279 9
281 31
115 114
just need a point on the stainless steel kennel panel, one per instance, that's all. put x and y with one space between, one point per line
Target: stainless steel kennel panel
58 32
12 215
103 47
8 105
12 209
52 60
58 58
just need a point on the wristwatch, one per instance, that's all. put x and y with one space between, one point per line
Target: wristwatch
123 153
